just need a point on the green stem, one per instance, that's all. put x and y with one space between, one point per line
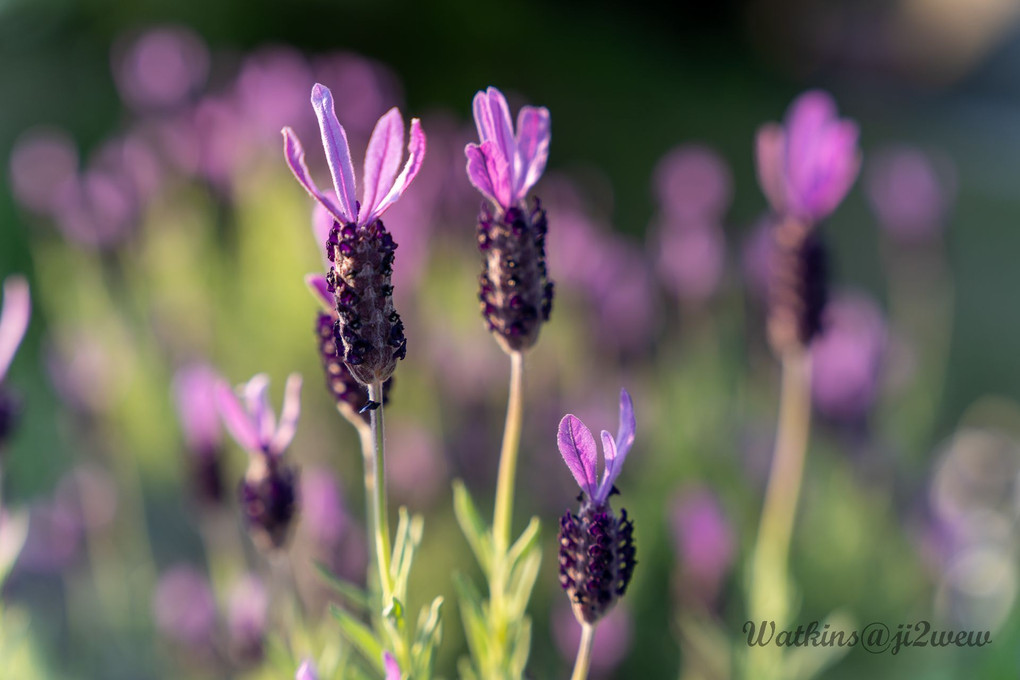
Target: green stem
769 596
584 652
503 514
375 482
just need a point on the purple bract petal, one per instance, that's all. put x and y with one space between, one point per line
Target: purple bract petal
256 400
615 452
236 419
338 154
322 224
306 671
195 394
320 289
533 133
577 446
14 317
415 157
392 668
289 414
382 159
295 155
770 156
478 172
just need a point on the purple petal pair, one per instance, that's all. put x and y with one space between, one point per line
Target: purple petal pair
807 166
596 553
268 492
515 290
195 395
14 317
368 333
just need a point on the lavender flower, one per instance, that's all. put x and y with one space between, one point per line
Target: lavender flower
195 394
391 666
268 492
805 170
704 542
184 606
161 68
42 162
910 193
596 549
246 618
515 290
17 309
306 671
359 246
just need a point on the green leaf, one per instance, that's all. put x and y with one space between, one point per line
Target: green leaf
350 592
525 544
429 633
409 534
395 612
521 647
472 614
522 581
360 636
474 528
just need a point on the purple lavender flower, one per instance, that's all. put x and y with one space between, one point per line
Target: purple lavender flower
306 671
693 185
195 394
268 492
805 170
704 541
42 161
691 261
246 618
515 291
909 193
596 549
359 247
161 68
391 666
847 359
184 606
14 317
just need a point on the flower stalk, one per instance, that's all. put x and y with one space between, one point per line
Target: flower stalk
583 660
375 481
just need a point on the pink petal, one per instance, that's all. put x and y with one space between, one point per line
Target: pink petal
322 224
382 159
770 160
478 171
295 155
837 164
392 668
499 172
236 419
14 316
492 118
320 289
805 122
577 446
195 393
256 400
338 154
289 414
611 472
533 134
415 157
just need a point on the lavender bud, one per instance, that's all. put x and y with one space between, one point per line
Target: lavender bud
268 495
350 395
596 559
798 286
368 330
514 289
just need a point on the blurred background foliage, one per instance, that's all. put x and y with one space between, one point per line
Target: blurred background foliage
207 265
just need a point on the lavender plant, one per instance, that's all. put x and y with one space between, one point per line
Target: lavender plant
516 298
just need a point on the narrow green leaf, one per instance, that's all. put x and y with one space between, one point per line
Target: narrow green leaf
474 528
473 618
521 647
522 581
360 636
350 592
525 544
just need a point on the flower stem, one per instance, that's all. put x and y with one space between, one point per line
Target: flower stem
375 483
584 652
769 586
503 513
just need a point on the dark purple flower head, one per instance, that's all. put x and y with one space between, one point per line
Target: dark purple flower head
250 419
596 548
807 166
184 606
14 317
504 165
269 500
910 192
847 358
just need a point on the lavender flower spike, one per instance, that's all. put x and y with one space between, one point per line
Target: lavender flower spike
358 245
515 291
805 169
596 549
14 317
195 395
268 492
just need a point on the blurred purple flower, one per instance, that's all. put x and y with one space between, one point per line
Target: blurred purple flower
758 255
505 165
416 468
195 394
704 541
184 606
847 358
909 192
612 638
693 184
161 68
324 518
691 261
252 422
14 317
369 89
42 161
54 536
807 166
382 160
247 618
306 671
272 89
392 668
